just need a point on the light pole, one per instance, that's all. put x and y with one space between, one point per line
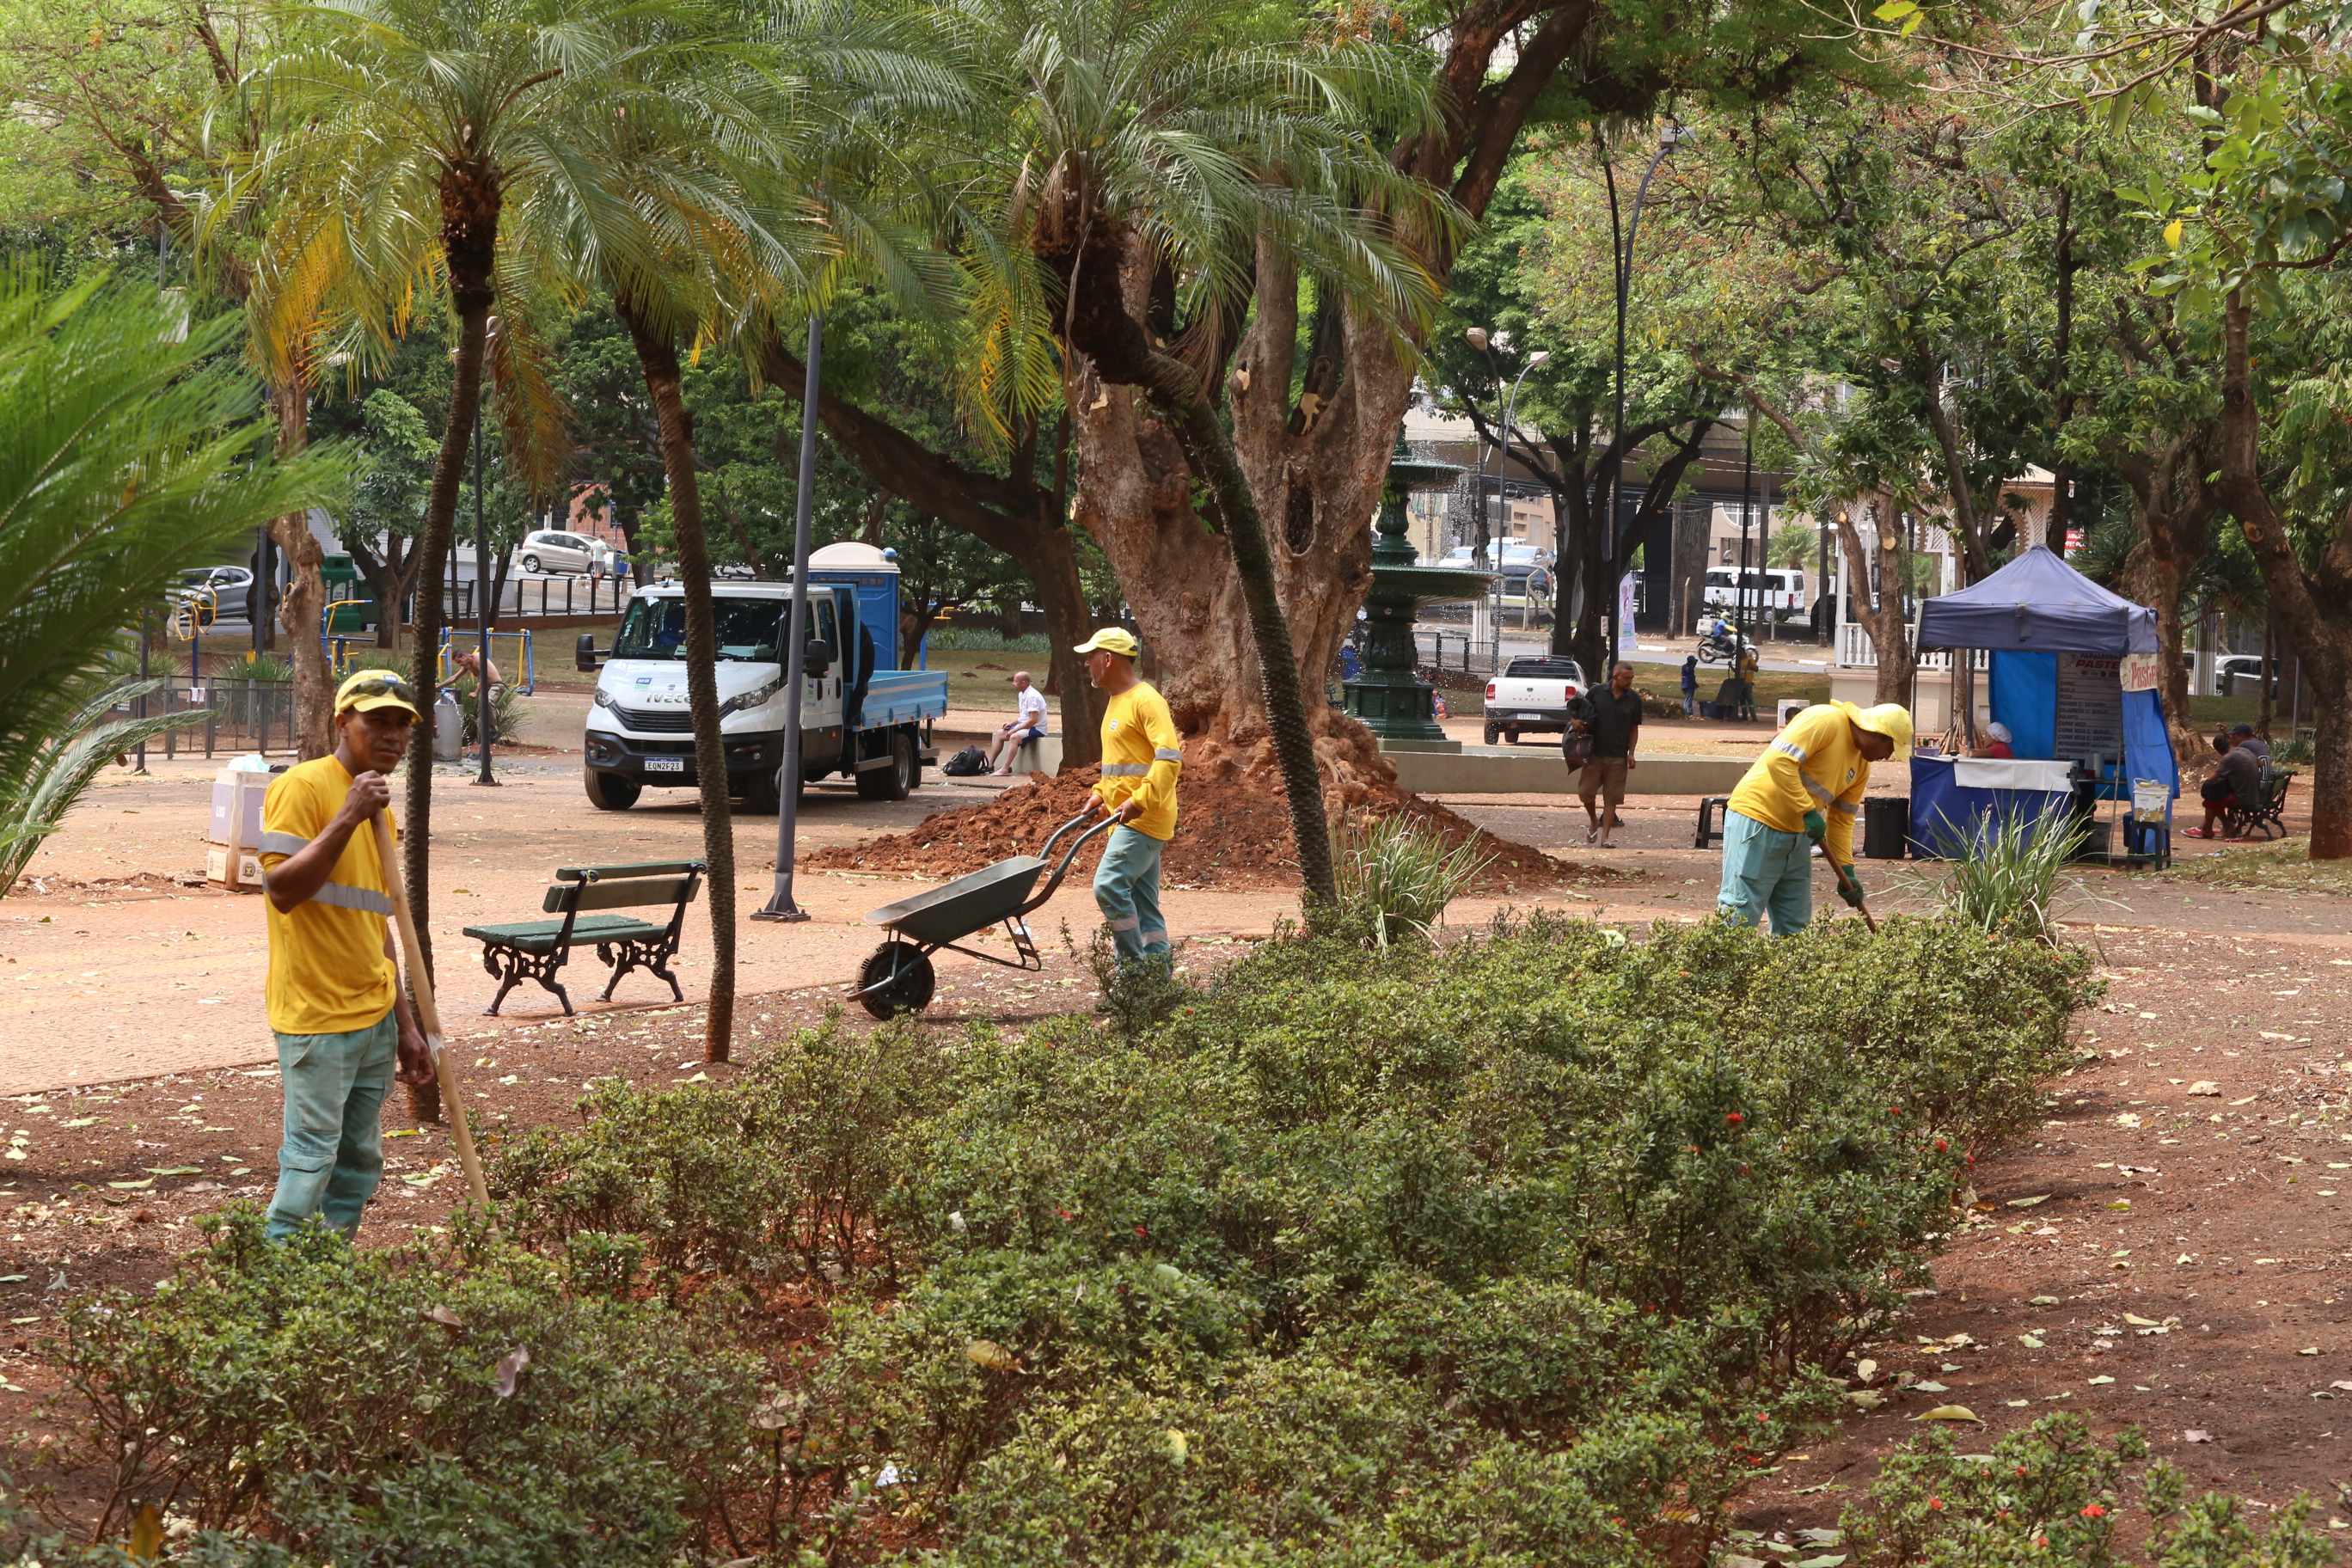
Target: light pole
1621 252
481 601
781 905
1479 339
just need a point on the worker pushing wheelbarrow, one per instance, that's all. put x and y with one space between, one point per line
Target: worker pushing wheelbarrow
897 977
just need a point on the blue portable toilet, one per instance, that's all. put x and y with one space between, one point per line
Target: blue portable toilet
873 575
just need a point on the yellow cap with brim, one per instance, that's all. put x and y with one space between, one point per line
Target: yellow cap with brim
1111 639
369 690
1891 719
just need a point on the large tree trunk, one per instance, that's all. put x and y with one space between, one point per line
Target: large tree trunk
2174 507
1890 633
299 613
1320 489
1010 513
657 353
2312 606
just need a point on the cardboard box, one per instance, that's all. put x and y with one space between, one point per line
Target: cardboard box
248 870
237 803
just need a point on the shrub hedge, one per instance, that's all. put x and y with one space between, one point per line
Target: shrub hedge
1521 1250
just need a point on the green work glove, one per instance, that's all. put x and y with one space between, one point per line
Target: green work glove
1850 886
1817 827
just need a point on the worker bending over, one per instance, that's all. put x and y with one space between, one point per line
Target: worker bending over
1143 755
1803 791
334 991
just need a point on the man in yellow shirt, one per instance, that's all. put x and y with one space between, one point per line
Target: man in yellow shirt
334 996
1143 755
1804 790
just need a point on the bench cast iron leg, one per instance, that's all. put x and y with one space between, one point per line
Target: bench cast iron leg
510 968
653 957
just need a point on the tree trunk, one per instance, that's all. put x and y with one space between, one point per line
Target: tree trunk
2311 606
1327 497
2173 506
300 612
657 353
1890 633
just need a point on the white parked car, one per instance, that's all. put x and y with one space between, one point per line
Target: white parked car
1531 694
552 549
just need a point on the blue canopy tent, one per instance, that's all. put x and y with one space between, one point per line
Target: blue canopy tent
2073 678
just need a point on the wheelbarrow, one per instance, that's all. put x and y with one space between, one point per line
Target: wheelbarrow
896 977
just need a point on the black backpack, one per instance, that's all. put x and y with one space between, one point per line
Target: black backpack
964 763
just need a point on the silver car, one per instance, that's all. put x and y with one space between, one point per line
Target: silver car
554 551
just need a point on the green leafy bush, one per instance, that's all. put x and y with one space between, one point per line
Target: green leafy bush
373 1408
1396 875
2054 1494
1520 1249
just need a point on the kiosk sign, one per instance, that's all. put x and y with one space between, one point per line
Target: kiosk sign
2090 719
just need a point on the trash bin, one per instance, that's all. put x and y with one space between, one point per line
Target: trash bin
449 729
1885 826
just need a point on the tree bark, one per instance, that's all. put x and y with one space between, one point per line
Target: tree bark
1890 633
299 613
1170 408
1012 514
2311 606
657 355
2174 507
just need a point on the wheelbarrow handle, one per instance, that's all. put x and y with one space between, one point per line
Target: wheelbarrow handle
1047 852
1054 881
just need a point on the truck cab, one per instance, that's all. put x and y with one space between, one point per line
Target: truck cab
861 717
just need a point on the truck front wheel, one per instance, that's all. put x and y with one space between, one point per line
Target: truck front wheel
610 792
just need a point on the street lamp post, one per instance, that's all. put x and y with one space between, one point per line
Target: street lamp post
1623 254
781 904
1479 339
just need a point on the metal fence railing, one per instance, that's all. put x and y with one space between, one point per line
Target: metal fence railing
1439 648
524 596
239 714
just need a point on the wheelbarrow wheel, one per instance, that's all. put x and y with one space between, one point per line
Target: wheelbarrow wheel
895 978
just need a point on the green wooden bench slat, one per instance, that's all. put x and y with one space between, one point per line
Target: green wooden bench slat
630 893
539 936
639 869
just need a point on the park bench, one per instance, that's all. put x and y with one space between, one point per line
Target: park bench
2268 813
536 950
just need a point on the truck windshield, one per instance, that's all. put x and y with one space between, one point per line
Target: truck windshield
655 628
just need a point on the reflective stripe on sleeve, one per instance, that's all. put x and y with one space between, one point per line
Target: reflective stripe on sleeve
1843 809
1817 791
1166 754
1126 769
281 844
1790 749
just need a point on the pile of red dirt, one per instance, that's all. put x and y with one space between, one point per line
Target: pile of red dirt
1233 830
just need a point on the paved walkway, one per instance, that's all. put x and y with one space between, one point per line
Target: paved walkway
109 968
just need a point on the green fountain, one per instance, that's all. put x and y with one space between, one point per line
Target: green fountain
1392 702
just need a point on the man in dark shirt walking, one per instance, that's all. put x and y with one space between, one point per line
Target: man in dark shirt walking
1615 727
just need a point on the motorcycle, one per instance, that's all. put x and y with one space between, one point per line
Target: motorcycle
1723 647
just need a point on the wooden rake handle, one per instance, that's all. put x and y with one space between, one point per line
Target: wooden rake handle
428 1014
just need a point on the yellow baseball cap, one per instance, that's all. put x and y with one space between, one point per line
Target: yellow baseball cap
1112 639
372 689
1891 719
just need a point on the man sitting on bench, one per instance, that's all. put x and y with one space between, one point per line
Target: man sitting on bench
2237 781
1027 725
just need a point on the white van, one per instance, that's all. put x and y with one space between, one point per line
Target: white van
1770 592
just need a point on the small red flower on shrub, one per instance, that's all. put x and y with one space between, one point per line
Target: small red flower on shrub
1143 1233
1943 1147
1063 1213
1733 1119
1894 1110
2093 1510
1934 1503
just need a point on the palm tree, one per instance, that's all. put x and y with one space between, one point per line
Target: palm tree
1144 161
411 131
132 451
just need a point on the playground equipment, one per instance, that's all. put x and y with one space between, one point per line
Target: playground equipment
524 660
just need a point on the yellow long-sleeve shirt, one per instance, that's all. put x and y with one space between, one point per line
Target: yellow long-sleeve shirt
1812 766
1142 754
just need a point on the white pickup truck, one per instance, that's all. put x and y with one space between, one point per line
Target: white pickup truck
1531 694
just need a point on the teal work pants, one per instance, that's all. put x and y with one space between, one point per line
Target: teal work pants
332 1155
1766 870
1127 890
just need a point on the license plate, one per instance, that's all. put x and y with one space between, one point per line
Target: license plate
1535 716
664 765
